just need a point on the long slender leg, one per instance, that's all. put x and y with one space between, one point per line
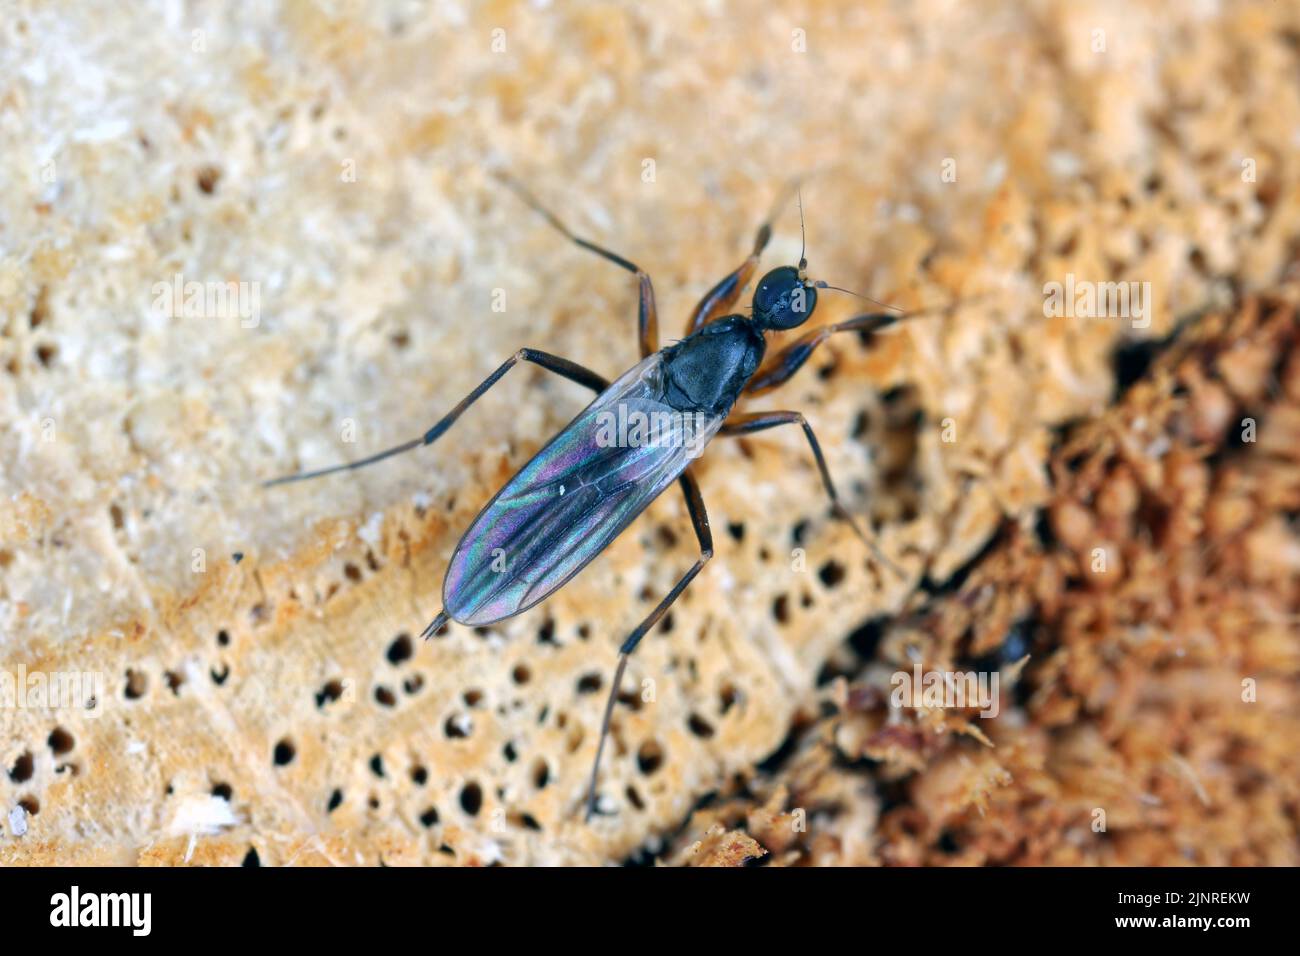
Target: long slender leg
570 370
700 521
791 358
723 295
647 316
760 421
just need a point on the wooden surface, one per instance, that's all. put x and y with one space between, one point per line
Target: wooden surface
337 160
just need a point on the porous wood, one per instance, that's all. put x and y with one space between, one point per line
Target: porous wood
337 157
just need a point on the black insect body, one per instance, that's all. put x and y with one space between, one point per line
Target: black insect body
707 371
588 484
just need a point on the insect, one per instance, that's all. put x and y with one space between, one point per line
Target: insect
583 488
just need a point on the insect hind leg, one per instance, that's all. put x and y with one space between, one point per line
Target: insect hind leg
700 522
552 363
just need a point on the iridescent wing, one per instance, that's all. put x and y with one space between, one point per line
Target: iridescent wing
574 497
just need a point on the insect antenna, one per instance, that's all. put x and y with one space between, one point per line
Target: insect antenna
803 236
822 284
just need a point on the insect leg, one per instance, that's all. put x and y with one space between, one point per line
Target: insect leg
700 521
791 358
647 316
723 295
745 424
570 370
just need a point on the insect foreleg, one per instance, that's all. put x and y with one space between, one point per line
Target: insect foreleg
751 422
722 296
791 358
570 370
700 521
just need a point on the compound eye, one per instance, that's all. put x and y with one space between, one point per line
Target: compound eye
803 299
773 293
783 300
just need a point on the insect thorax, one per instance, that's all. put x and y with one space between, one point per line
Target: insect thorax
707 371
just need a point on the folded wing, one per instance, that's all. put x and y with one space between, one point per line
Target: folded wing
573 498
